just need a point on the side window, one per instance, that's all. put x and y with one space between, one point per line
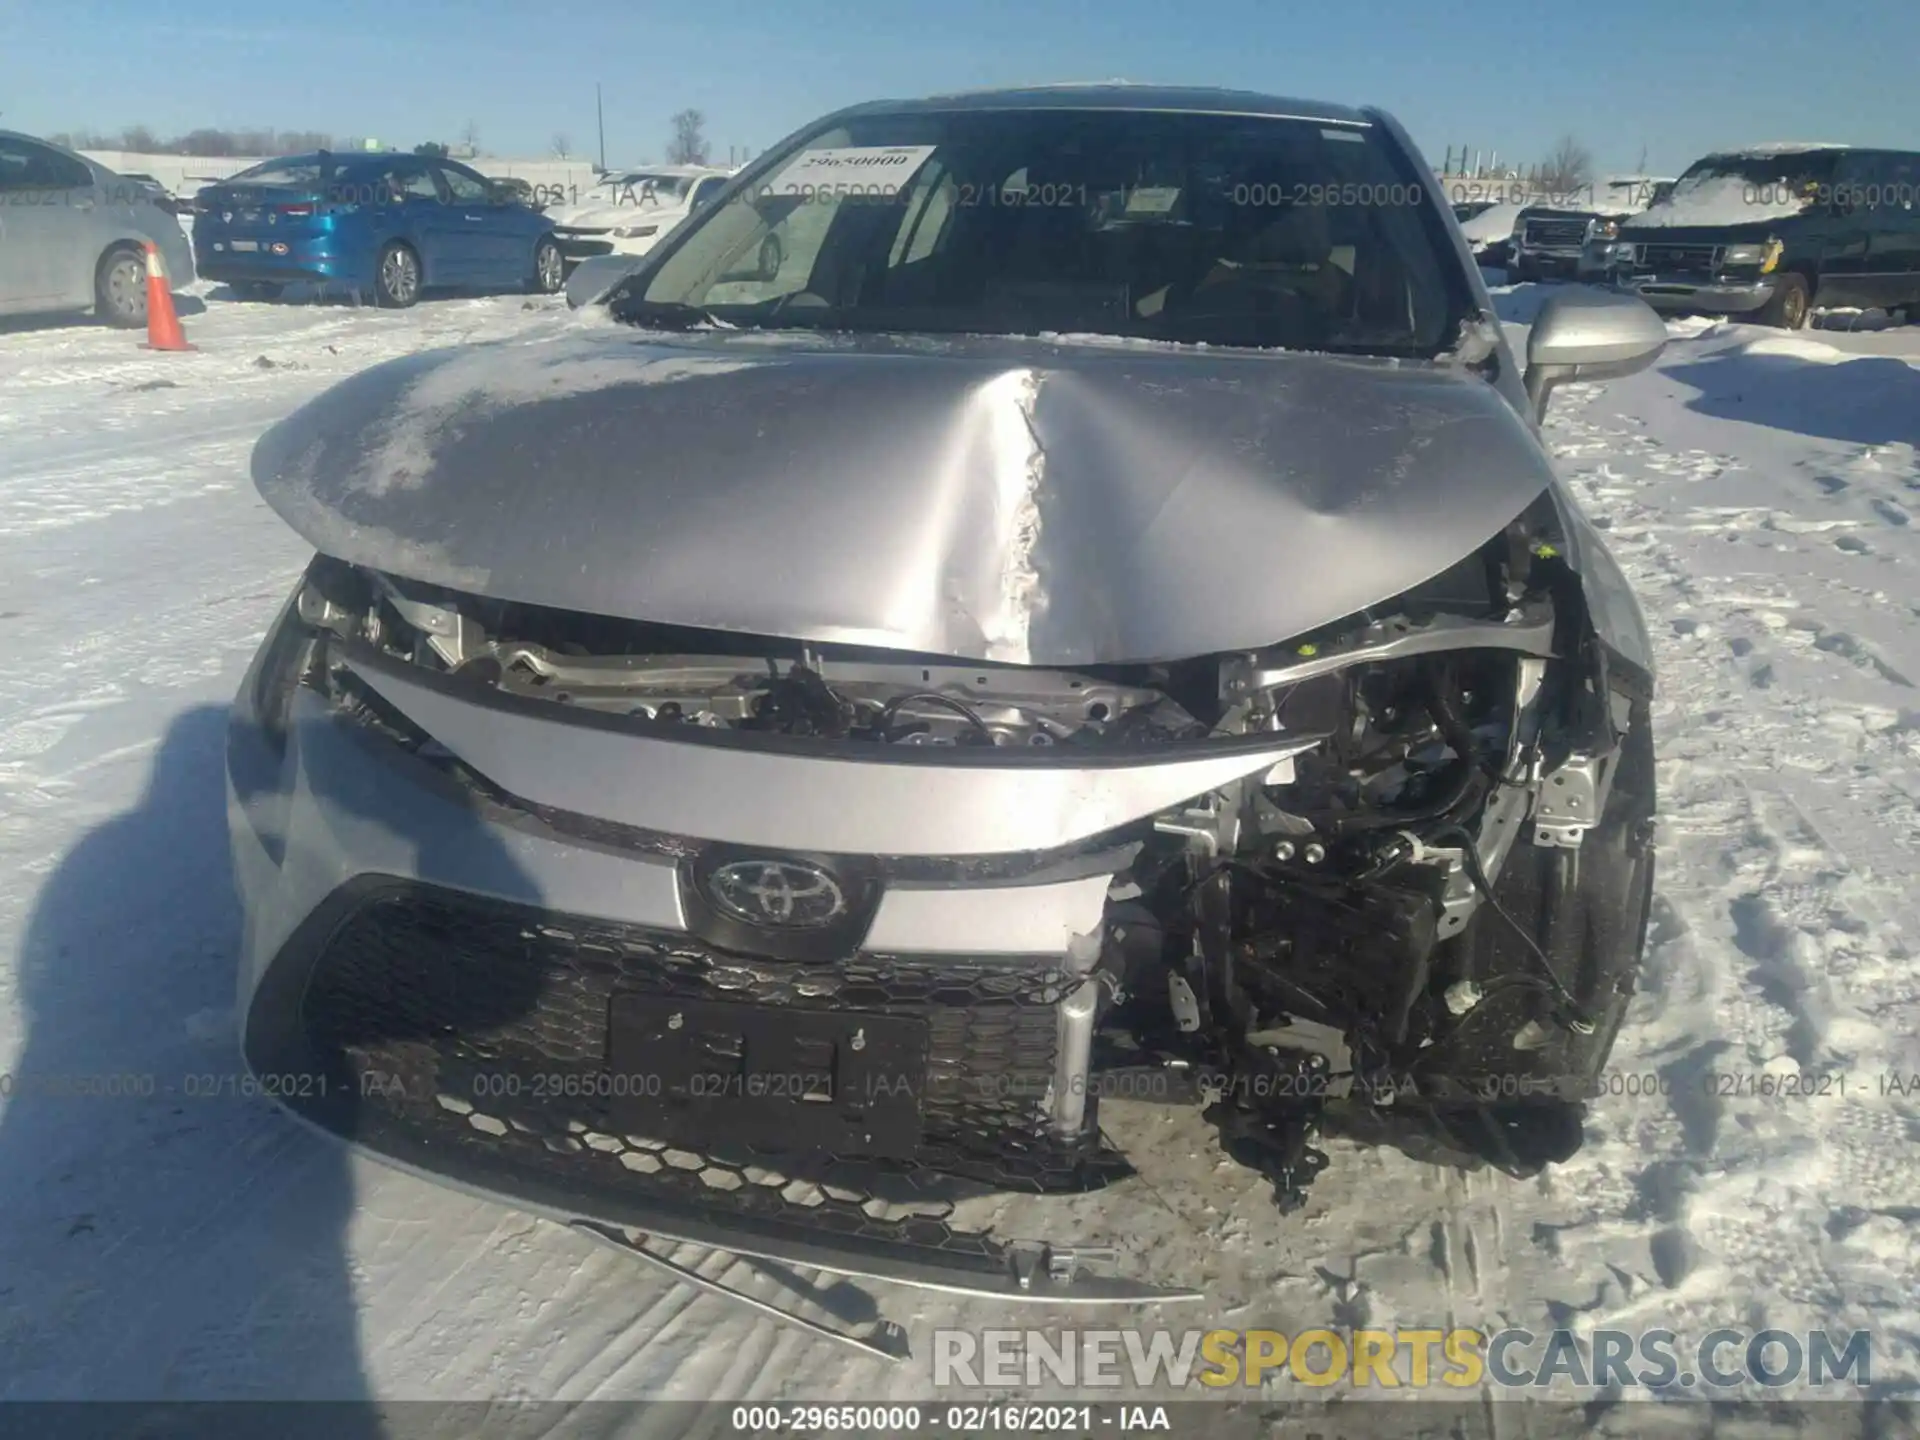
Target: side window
775 246
706 190
924 218
1900 184
1857 181
466 188
410 182
27 166
16 166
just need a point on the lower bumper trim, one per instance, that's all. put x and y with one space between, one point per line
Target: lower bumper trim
1677 293
1015 1270
563 1159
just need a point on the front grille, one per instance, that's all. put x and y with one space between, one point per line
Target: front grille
477 1024
1686 258
1562 233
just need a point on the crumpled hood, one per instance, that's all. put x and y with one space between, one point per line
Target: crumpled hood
1059 504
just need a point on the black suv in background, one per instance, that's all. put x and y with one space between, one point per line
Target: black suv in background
1773 233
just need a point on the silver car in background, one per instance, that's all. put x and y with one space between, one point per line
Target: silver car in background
73 235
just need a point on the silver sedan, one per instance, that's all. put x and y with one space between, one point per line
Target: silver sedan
73 235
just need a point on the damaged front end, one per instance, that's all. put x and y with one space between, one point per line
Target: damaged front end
890 922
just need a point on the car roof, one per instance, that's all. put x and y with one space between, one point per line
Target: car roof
1120 95
39 140
1771 152
674 172
343 158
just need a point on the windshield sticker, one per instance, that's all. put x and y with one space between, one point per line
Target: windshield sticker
859 170
1152 199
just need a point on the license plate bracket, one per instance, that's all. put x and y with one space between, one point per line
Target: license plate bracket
770 1077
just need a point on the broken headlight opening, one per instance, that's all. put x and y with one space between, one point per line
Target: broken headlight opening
1420 930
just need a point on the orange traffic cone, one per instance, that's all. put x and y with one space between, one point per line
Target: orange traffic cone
163 326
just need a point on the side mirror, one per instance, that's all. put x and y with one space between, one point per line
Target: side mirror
593 277
1590 335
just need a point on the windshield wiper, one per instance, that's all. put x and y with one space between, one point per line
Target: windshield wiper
663 314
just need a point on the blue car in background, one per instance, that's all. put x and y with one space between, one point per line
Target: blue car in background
384 226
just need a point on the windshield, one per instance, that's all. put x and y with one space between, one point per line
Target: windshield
1228 230
282 172
1742 189
1792 169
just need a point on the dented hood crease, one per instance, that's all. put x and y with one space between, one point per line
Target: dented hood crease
1034 502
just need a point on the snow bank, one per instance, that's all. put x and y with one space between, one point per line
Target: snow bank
1810 350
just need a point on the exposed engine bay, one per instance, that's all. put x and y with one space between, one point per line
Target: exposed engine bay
1422 930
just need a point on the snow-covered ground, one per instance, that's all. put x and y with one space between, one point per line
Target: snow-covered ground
1760 489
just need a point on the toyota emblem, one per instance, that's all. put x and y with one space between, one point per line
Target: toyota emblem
779 894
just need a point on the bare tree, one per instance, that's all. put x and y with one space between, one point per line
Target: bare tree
689 143
561 145
206 140
1568 167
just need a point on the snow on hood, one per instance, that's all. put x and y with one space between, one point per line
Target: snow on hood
1001 499
477 383
1492 224
1719 200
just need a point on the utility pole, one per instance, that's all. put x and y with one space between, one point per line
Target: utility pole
600 119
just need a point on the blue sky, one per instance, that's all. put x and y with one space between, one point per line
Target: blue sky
1675 77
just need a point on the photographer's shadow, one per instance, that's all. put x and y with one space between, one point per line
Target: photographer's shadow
166 1235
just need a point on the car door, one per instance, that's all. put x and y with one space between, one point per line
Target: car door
493 245
1846 224
49 201
413 210
1895 245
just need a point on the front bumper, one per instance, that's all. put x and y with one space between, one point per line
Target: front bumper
576 246
1545 261
432 972
1677 293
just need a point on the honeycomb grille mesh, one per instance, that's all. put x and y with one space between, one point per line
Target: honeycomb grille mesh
485 1024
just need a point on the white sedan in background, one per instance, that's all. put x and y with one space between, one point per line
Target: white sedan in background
630 211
